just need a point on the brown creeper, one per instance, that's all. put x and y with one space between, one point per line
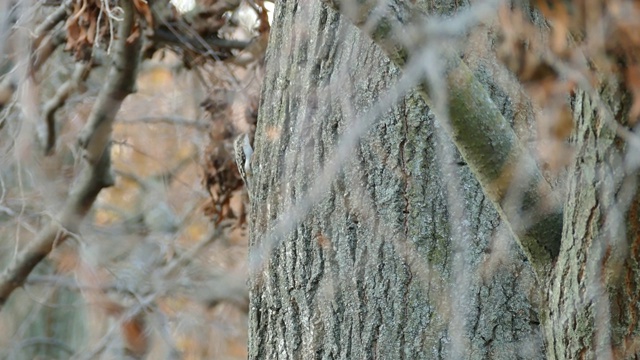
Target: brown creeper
242 151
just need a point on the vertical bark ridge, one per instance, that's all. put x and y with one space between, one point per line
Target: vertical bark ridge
592 301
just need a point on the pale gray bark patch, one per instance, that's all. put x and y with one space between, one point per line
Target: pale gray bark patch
368 272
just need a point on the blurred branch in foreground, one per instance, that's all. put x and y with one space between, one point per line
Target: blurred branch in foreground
94 141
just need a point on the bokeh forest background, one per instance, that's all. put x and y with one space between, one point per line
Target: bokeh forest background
158 267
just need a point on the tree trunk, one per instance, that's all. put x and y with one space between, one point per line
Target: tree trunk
399 255
593 295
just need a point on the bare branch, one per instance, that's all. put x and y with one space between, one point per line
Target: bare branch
57 101
72 284
43 45
94 140
485 139
169 120
51 21
46 46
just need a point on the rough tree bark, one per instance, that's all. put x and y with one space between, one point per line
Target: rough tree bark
593 291
376 268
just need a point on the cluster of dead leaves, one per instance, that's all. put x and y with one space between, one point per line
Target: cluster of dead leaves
608 32
230 117
528 56
92 21
209 32
222 179
596 39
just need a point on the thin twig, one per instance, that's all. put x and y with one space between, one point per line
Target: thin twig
169 120
45 48
57 101
72 284
51 21
43 45
148 301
